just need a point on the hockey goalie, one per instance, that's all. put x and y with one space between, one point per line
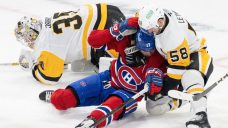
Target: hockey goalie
62 39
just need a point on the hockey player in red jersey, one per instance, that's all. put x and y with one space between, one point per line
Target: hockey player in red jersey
127 75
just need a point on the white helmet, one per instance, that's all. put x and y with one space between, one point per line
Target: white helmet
27 30
148 17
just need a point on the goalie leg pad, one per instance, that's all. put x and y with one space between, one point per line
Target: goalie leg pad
63 99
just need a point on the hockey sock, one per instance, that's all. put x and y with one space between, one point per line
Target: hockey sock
63 99
110 104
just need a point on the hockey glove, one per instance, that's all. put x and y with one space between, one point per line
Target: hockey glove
125 28
26 60
154 78
135 59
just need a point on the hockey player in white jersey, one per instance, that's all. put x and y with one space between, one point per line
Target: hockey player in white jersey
190 64
62 39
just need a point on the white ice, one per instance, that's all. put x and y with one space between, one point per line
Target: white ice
20 106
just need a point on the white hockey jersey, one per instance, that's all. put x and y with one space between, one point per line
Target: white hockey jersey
63 39
176 42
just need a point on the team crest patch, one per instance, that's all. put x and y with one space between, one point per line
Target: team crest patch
128 78
83 83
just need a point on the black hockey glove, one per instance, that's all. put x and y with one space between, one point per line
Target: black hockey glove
135 59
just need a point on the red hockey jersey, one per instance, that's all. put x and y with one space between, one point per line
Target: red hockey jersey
123 76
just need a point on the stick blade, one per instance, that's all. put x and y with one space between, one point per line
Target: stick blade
180 95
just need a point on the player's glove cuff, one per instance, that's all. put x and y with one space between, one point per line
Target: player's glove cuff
114 31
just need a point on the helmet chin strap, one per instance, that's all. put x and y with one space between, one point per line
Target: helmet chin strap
164 23
159 30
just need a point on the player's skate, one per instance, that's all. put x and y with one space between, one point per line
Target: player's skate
199 121
46 95
86 123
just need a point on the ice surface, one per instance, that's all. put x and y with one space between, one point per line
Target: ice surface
19 103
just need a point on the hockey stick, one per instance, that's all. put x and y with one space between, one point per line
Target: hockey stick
189 97
93 70
9 64
137 95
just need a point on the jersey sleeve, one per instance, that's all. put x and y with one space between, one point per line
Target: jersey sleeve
99 38
49 68
102 38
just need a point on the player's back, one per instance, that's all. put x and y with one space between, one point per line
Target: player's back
177 40
63 38
65 33
177 33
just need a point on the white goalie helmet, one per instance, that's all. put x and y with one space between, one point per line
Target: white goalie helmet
148 17
27 30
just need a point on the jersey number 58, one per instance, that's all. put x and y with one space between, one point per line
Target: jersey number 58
179 57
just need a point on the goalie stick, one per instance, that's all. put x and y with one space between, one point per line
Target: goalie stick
137 95
9 64
189 97
93 70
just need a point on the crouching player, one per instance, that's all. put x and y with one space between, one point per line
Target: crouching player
127 76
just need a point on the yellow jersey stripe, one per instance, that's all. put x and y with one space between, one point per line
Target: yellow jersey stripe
85 32
174 76
103 16
205 61
203 43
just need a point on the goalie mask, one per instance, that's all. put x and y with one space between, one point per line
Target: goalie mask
27 30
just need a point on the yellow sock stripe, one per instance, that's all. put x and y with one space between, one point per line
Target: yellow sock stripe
175 105
195 90
174 76
103 16
85 32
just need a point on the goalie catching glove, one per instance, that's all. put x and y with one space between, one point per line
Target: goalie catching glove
154 78
125 28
